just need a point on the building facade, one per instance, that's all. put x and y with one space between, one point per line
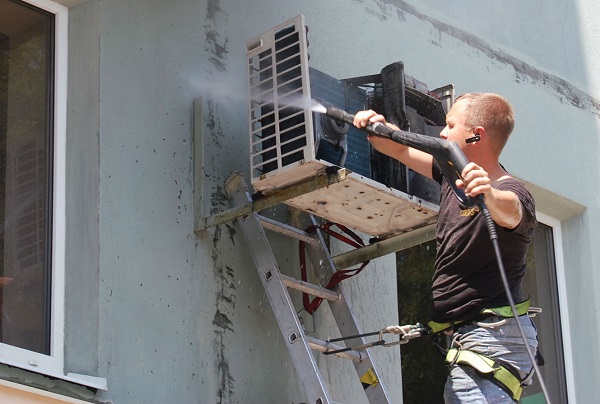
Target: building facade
121 120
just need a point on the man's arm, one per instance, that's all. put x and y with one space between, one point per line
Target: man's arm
504 206
417 160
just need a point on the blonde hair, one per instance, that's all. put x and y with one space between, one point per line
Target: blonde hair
493 112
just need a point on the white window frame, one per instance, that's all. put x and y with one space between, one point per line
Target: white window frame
53 364
561 282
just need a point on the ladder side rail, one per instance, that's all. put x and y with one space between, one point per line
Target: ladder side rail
289 323
345 318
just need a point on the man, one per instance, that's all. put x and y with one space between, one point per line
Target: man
467 281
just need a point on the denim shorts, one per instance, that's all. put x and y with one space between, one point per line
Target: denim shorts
464 385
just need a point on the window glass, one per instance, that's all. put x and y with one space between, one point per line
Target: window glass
541 285
423 370
26 138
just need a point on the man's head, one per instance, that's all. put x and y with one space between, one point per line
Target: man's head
490 111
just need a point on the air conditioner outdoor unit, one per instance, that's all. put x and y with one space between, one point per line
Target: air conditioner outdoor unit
290 143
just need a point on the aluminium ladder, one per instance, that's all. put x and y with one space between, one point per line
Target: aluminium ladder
300 345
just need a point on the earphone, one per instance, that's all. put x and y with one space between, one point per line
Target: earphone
473 139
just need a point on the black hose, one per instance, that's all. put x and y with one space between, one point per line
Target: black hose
491 226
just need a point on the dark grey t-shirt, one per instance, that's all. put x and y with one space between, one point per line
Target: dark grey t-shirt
467 278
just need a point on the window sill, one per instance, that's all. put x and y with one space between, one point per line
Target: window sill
71 384
69 3
98 383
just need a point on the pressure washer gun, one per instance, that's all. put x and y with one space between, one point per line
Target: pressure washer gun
446 153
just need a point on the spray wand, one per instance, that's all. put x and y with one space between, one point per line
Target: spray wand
452 161
447 154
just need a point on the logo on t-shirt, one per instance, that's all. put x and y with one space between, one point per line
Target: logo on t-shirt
470 211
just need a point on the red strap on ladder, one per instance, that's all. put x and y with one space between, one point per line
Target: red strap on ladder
338 276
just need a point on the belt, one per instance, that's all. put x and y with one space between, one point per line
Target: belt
504 311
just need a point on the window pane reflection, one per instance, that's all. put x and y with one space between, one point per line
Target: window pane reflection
26 65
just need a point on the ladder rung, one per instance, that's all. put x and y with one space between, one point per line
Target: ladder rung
287 230
322 346
309 288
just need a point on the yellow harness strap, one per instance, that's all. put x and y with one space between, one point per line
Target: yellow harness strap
488 368
369 379
504 311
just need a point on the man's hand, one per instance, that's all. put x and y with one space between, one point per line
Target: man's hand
419 161
382 144
475 181
364 118
504 206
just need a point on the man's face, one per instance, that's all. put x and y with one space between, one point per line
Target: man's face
455 129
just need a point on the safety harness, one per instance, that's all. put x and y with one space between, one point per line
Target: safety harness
497 372
500 373
504 312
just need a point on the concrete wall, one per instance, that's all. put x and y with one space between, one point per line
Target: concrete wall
167 315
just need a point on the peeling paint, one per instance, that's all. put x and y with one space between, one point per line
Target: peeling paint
215 45
213 7
218 200
225 305
218 51
221 321
213 124
226 381
524 72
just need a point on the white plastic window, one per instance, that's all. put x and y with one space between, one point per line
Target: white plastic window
33 61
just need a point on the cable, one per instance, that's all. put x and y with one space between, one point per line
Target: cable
491 226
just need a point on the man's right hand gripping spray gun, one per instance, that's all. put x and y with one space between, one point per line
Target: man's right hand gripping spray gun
447 154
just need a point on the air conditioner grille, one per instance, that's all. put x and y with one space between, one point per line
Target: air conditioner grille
280 129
